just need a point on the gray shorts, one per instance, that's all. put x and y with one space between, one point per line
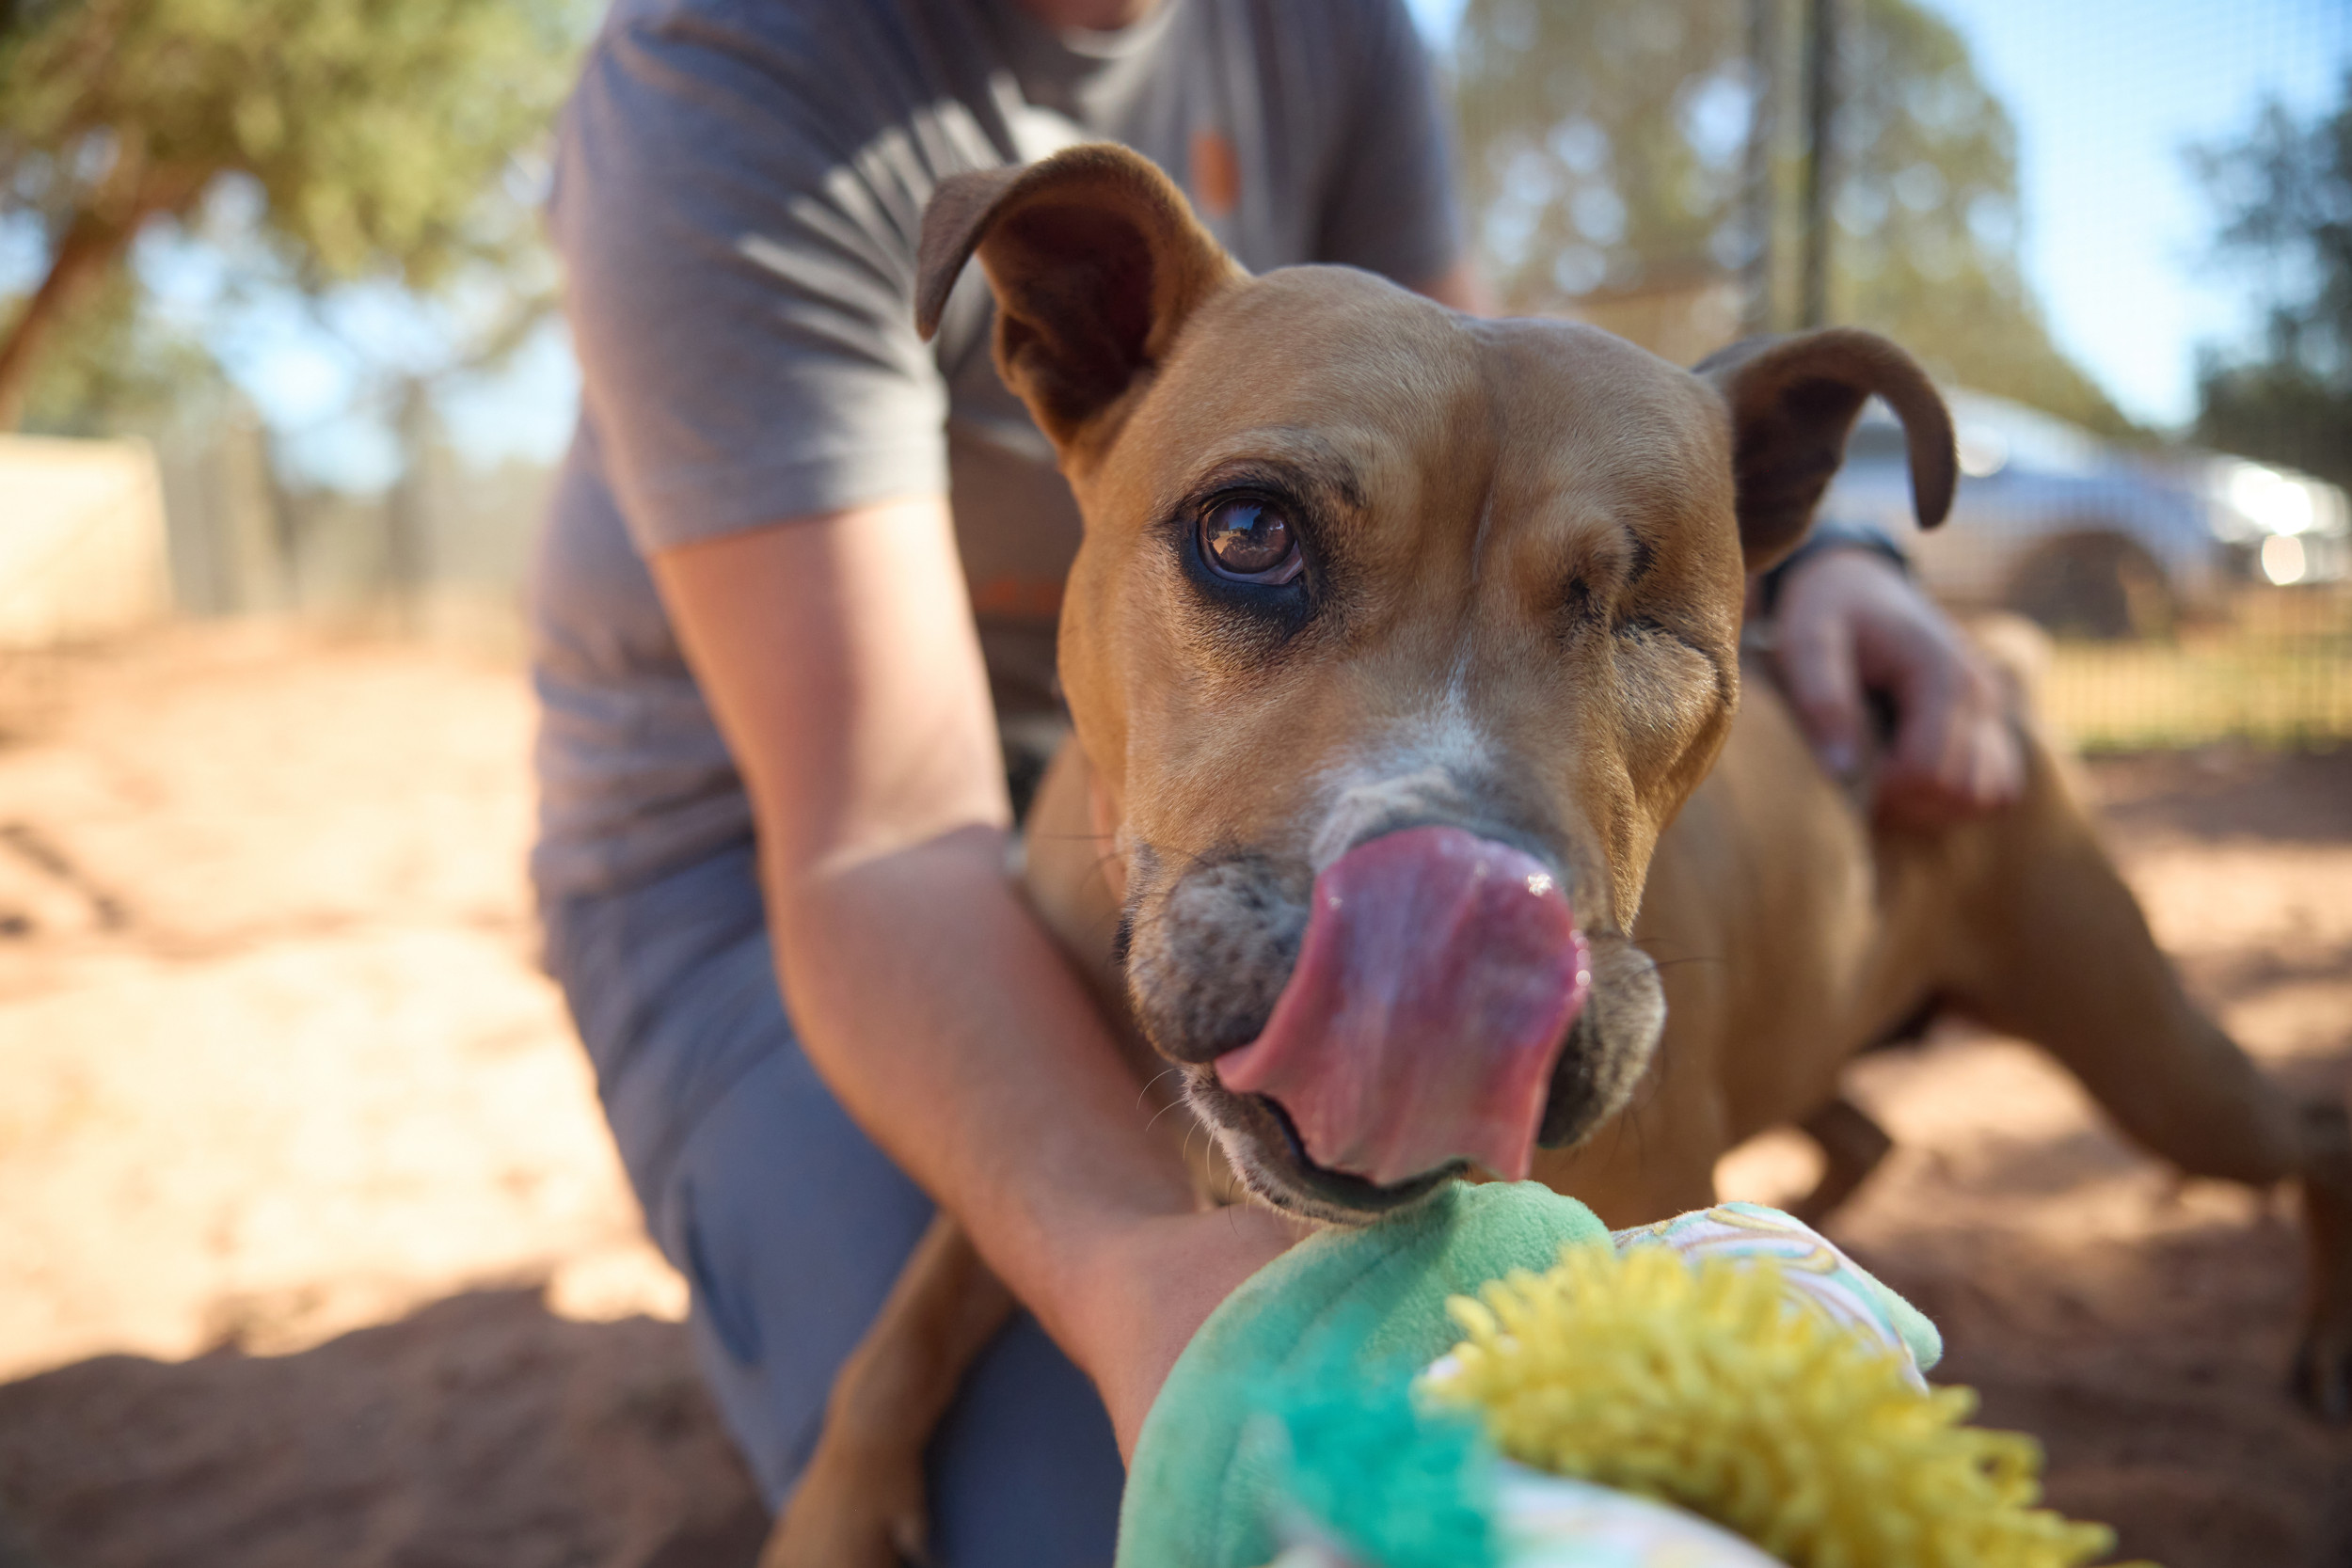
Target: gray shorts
791 1224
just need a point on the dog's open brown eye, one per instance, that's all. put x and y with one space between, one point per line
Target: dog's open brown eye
1250 542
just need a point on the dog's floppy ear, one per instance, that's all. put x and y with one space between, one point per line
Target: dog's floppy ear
1793 402
1097 261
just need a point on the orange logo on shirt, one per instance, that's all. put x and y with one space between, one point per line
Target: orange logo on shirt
1215 175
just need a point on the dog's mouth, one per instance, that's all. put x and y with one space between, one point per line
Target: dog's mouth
1419 1030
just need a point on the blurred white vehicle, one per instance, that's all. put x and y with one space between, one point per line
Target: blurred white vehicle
2088 537
2281 527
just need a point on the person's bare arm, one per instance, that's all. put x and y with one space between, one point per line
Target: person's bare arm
1460 287
840 655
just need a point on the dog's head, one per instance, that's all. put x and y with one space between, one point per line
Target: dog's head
1396 638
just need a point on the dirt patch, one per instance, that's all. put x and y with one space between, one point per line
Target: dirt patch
482 1428
281 1068
314 1250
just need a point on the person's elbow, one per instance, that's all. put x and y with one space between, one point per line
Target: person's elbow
1459 287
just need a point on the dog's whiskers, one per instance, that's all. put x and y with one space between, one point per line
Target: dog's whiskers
1150 1082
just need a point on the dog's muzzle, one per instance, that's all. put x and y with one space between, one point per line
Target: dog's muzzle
1435 985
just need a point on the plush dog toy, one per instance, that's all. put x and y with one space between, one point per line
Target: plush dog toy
1721 1390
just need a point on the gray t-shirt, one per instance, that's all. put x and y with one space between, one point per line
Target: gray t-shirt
738 190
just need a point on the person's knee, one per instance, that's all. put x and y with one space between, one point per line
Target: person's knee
791 1227
1024 1471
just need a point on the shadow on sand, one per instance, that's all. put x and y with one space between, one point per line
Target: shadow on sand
480 1429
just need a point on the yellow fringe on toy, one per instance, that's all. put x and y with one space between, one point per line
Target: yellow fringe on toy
1706 1390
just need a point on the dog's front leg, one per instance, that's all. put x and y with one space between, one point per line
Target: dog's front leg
2323 1365
861 1503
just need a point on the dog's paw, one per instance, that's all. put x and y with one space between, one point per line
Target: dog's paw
854 1512
2321 1376
2322 1380
1851 1147
2322 1366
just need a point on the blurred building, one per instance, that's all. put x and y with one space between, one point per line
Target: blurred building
82 544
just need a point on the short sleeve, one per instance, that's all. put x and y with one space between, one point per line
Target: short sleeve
1391 207
738 285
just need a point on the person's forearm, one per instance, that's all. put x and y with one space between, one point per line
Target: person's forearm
840 657
938 1010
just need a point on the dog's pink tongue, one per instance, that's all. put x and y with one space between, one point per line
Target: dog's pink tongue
1439 973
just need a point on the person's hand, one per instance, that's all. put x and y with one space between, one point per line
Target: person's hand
1850 621
1149 1292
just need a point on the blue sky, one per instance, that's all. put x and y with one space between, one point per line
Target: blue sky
2106 95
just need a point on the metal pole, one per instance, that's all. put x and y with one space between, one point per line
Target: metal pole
1762 209
404 521
1821 83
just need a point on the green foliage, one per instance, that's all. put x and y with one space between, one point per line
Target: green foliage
1606 148
2286 195
372 126
114 367
375 133
1602 141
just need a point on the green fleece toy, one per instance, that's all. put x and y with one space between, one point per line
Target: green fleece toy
1492 1380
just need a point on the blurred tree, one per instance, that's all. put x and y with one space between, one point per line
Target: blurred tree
370 128
1606 151
1602 142
2285 197
113 366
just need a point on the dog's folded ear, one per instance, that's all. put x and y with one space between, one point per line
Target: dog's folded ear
1793 402
1097 261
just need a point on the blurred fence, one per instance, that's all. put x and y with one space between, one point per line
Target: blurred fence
2276 670
441 555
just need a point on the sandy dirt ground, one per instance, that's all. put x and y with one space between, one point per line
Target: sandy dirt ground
312 1251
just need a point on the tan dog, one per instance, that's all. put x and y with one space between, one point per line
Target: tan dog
1403 650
